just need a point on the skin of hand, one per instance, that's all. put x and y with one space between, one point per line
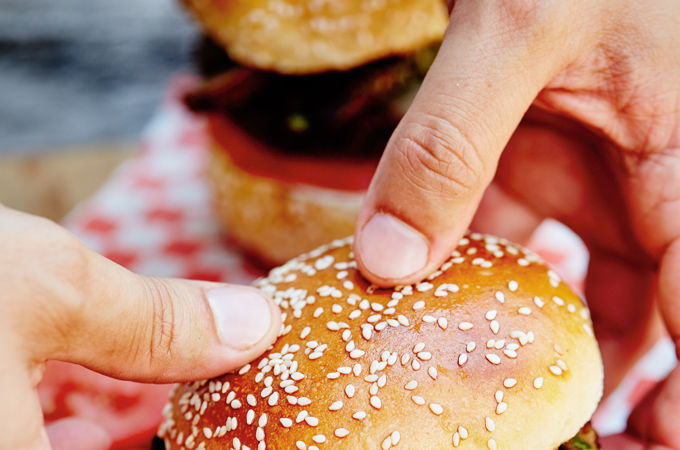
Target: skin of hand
536 109
62 301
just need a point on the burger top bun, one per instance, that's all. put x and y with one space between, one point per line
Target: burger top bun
293 36
491 351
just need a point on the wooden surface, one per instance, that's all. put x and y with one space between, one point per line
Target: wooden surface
51 185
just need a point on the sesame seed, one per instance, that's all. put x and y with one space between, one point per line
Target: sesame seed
259 434
356 353
436 409
319 438
244 369
386 443
561 364
538 382
411 385
286 422
498 396
429 319
346 335
490 314
341 432
415 365
375 402
207 432
262 421
419 347
489 423
333 375
359 415
509 383
302 415
462 359
588 329
317 312
425 356
349 390
299 444
493 358
495 326
492 444
510 353
312 421
396 437
456 439
555 370
470 347
558 301
418 305
418 400
335 406
463 432
273 399
501 408
443 323
366 332
538 302
464 326
513 285
500 296
524 310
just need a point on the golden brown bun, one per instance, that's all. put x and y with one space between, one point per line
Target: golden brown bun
276 221
293 36
474 397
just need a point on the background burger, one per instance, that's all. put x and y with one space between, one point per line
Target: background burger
301 98
491 351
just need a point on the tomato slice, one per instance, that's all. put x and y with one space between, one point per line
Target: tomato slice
254 157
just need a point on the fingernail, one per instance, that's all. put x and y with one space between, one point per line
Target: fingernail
242 316
391 249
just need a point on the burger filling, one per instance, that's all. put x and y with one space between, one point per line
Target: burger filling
586 439
340 113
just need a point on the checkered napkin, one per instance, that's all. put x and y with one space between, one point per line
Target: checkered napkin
154 216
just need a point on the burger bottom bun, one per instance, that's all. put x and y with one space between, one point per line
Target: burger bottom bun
274 220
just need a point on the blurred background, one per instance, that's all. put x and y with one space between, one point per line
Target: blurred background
79 79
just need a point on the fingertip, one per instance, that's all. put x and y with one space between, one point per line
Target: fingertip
388 250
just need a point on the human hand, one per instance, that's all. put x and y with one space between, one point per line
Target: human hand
62 301
599 151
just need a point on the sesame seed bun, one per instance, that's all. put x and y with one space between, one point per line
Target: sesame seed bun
491 351
272 217
290 36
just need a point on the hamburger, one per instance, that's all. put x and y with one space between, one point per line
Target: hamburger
300 99
491 351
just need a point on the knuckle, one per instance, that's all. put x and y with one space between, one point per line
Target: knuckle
159 339
437 157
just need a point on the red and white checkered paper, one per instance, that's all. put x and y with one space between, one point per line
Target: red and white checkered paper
154 216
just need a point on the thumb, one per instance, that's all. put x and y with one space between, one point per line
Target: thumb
495 58
162 330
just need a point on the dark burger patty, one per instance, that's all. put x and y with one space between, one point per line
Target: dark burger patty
339 113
